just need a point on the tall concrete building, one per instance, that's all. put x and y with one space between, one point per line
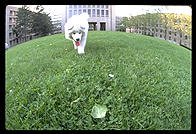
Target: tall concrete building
10 22
56 21
101 17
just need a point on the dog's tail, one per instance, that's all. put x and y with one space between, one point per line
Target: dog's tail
84 16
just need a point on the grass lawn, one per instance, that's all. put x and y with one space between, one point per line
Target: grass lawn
49 86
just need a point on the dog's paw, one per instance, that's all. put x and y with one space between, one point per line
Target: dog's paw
81 52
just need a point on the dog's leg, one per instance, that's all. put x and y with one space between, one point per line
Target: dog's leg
80 49
82 46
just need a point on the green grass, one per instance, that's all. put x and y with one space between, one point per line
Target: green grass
55 88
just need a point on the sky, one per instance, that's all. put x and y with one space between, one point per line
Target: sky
127 10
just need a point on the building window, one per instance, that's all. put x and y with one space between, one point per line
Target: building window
89 12
102 13
185 37
98 6
75 6
10 20
79 6
79 11
106 13
89 6
75 12
106 6
70 6
102 6
84 10
93 14
98 12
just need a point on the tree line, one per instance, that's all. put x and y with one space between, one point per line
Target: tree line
180 22
32 22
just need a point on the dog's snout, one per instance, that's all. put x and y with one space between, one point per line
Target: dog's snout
77 39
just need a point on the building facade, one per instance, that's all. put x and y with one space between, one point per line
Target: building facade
118 20
10 22
101 17
56 21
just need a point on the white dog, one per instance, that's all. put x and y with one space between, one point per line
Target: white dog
76 29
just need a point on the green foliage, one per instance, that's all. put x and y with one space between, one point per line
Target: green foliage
23 22
49 86
181 22
29 22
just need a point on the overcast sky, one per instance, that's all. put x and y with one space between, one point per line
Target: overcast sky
127 10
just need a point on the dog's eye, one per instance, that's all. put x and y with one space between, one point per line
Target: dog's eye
79 32
74 33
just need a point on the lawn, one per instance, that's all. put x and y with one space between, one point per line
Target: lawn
143 82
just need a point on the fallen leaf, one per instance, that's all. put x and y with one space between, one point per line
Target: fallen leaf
99 111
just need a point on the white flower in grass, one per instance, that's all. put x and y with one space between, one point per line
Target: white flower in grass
50 44
11 91
111 75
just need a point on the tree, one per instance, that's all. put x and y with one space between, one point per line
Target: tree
124 24
42 24
23 23
29 22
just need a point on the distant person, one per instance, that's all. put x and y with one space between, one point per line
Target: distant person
6 46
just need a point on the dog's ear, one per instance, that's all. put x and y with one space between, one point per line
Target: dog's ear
70 36
70 28
83 28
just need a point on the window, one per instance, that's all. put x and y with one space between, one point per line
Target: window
106 6
106 13
170 32
89 12
89 5
84 6
75 6
98 12
75 12
79 11
84 10
186 37
70 6
93 14
93 6
102 13
98 6
102 6
79 6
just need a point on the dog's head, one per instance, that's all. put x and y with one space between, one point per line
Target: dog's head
76 33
